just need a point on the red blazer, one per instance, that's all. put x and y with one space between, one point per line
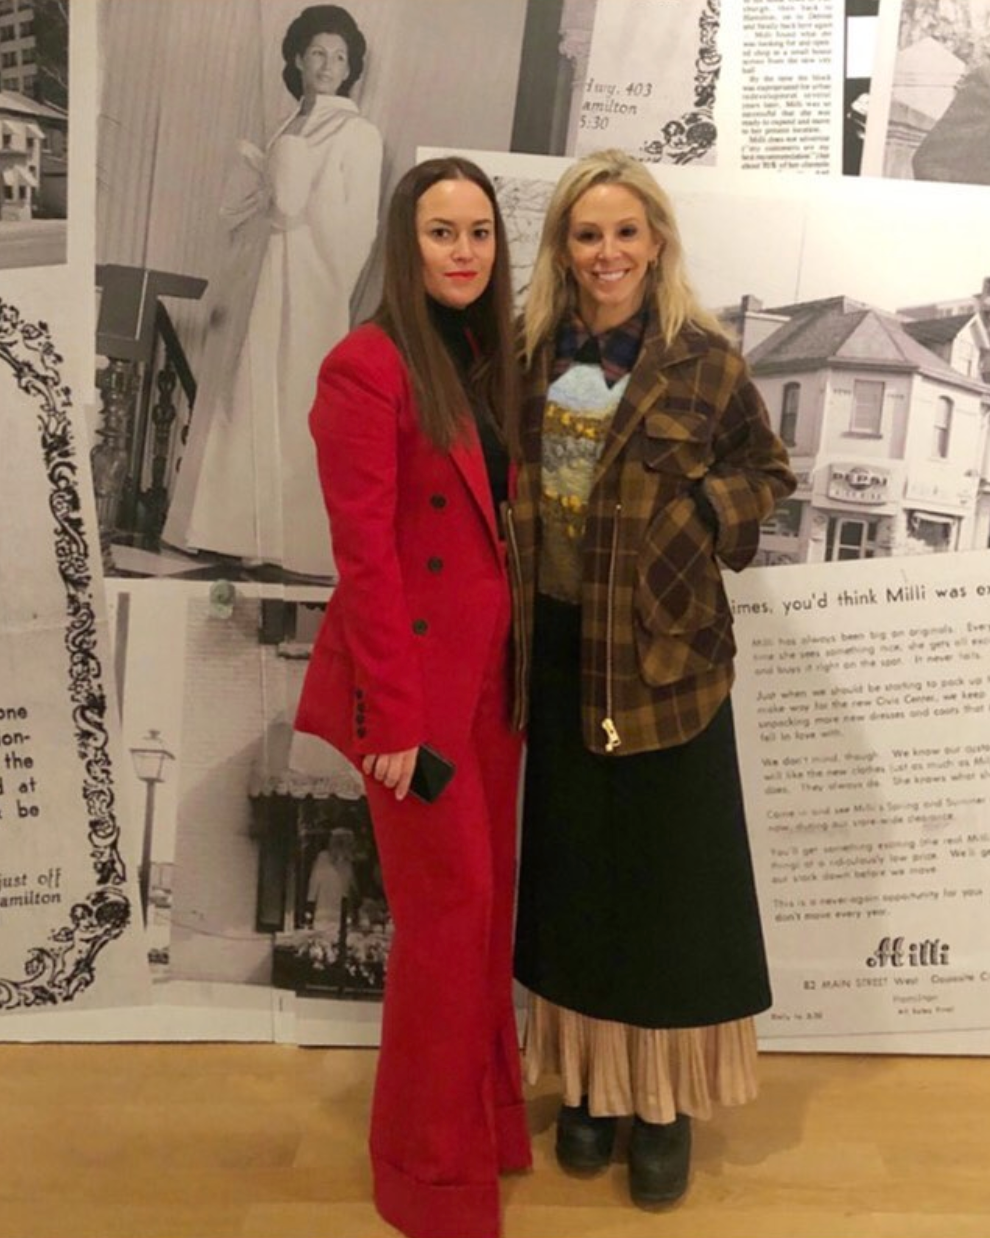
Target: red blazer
407 631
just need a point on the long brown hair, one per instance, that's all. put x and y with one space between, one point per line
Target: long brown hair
404 314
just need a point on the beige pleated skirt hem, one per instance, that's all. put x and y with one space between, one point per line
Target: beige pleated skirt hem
655 1073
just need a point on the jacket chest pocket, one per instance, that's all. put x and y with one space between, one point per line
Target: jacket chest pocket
676 443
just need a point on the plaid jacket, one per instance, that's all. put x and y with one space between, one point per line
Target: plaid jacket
657 644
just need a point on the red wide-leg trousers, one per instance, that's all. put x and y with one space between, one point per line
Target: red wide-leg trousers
448 1113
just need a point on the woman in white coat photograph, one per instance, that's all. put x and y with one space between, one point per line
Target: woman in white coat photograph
302 215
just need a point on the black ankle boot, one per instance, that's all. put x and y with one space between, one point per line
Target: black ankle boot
659 1160
584 1143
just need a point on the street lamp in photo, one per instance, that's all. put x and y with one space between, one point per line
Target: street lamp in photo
149 757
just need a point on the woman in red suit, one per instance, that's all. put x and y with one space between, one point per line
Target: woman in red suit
414 650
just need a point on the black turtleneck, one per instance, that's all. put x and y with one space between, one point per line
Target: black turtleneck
454 326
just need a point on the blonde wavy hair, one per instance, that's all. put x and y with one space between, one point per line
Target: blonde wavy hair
552 291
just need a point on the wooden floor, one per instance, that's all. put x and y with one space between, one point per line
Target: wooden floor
232 1141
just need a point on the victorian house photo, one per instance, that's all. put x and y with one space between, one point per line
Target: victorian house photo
886 418
34 124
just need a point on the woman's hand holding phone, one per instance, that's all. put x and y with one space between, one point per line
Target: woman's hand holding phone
394 769
422 770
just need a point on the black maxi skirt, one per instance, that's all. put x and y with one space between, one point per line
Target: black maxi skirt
636 894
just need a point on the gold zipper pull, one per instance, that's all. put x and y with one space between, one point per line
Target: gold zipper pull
611 735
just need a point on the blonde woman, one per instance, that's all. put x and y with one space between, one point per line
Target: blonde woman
648 465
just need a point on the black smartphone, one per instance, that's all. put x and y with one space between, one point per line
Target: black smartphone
431 774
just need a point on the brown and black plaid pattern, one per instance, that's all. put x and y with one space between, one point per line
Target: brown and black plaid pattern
615 350
657 642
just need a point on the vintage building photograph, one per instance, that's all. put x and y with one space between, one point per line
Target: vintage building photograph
34 127
933 122
258 868
886 417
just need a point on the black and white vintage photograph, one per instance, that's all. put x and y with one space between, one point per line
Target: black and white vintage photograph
884 416
259 869
859 51
34 132
245 150
590 79
935 122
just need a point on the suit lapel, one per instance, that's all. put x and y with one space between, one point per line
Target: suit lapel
470 462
